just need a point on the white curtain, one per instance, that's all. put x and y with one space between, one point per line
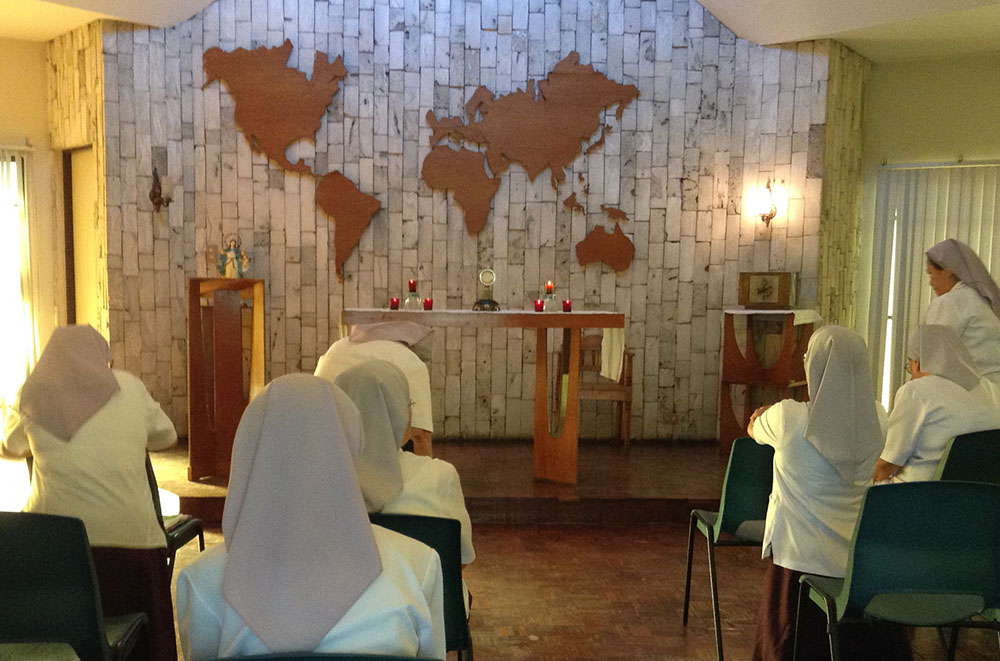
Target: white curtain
17 331
916 207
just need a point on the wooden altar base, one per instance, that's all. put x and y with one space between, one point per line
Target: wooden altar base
655 482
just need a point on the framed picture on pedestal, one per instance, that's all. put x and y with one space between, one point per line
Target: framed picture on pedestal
768 290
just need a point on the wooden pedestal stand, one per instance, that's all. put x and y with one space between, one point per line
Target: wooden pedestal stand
215 368
787 373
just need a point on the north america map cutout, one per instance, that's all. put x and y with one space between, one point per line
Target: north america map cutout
277 106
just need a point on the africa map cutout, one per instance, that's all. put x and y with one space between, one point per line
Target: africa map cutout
539 131
276 106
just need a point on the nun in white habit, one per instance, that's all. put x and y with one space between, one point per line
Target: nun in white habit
967 300
824 452
391 342
88 428
945 398
301 568
394 481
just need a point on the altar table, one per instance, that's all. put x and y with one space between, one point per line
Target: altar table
555 456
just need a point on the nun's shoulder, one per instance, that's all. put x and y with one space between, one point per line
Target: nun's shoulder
129 382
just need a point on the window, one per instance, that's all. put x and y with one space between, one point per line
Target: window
17 332
916 207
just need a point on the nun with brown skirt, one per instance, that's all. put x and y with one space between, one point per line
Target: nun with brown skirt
88 428
824 455
302 569
394 481
968 300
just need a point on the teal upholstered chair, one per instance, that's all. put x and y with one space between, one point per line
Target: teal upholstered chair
923 554
49 593
972 457
740 519
444 536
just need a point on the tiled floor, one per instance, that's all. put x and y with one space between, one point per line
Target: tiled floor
579 592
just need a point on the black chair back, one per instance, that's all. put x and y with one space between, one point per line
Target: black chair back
444 536
973 457
48 585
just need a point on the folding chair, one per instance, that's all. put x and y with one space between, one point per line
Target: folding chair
742 510
444 536
49 593
923 554
180 528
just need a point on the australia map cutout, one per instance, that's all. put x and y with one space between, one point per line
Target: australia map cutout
547 129
277 106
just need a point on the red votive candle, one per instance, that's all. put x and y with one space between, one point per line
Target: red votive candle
412 284
567 305
428 303
548 287
393 303
539 305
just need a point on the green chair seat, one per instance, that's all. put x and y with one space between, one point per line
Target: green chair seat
924 609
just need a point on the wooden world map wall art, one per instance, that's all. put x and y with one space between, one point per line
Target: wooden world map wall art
539 131
276 106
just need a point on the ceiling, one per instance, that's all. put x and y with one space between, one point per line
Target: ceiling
35 20
880 30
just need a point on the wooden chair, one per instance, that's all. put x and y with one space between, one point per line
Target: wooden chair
595 387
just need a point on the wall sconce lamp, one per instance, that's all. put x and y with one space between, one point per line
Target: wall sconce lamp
767 209
161 194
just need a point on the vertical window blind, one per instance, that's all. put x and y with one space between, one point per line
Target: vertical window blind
916 207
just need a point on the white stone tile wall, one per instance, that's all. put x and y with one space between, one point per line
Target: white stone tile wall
840 211
717 116
75 84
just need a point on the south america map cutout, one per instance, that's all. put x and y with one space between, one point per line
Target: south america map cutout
277 106
549 129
